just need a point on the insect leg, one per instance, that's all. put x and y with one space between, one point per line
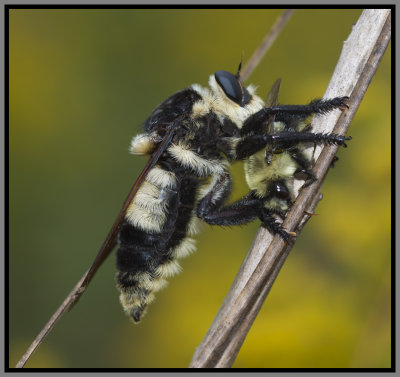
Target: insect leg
212 210
242 212
256 122
298 137
268 221
318 106
304 165
251 144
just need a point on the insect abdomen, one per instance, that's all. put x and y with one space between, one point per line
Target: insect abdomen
150 240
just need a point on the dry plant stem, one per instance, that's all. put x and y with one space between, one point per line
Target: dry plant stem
266 43
232 348
109 243
105 250
49 325
360 57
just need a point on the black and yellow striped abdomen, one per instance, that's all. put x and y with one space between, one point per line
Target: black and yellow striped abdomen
154 235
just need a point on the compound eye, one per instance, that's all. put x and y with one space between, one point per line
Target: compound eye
230 85
281 191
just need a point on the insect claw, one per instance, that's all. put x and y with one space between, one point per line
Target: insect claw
345 104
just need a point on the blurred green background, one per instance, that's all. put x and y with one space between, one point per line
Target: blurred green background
81 84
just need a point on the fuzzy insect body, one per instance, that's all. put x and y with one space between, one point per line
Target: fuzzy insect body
190 183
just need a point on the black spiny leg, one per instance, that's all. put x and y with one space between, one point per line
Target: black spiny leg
251 144
304 168
254 124
268 221
213 211
240 212
310 137
318 106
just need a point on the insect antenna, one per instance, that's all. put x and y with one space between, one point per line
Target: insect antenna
239 68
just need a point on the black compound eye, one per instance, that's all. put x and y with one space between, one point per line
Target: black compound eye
281 191
230 85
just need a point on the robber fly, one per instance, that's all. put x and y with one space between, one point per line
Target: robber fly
192 138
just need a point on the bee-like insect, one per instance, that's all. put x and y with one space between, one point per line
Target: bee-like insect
193 137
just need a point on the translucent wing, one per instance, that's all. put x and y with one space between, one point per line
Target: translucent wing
110 241
272 96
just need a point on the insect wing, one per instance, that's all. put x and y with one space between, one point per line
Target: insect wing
110 241
272 96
